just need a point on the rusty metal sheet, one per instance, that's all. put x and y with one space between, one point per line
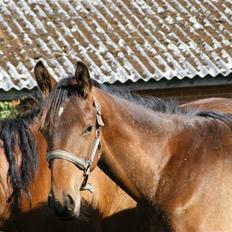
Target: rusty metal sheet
120 40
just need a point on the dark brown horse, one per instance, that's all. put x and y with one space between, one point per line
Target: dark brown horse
177 164
28 182
16 174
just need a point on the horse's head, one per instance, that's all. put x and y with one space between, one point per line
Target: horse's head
70 122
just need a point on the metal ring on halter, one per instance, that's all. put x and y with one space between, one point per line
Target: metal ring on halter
85 166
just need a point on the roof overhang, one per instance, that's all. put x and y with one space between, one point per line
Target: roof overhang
175 83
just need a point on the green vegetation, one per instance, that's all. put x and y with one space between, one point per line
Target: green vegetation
7 110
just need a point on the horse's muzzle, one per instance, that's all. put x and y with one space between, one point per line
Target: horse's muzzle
65 211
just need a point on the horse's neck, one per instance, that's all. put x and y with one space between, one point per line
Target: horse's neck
43 177
40 187
135 144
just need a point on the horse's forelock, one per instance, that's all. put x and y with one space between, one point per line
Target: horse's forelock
65 89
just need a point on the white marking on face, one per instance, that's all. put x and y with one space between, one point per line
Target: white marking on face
61 110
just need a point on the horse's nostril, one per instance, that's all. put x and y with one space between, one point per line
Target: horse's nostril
50 200
54 205
64 209
70 205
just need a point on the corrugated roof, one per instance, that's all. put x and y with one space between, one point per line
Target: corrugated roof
120 40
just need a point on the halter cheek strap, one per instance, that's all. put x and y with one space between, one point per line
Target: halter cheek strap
84 165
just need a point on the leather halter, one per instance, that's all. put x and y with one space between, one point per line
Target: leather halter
84 165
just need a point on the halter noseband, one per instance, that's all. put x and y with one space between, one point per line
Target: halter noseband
84 165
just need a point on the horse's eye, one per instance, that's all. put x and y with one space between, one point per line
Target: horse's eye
88 128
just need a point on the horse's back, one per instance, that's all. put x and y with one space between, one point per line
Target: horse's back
215 104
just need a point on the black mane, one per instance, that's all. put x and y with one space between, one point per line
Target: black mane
17 137
149 102
66 89
166 106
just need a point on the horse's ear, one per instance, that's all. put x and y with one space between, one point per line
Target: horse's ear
83 79
43 78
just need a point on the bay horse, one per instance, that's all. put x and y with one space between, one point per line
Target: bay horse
178 164
37 216
107 209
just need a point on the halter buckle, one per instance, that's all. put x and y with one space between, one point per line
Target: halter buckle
99 120
89 187
98 110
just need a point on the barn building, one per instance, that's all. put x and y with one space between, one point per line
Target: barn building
177 48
